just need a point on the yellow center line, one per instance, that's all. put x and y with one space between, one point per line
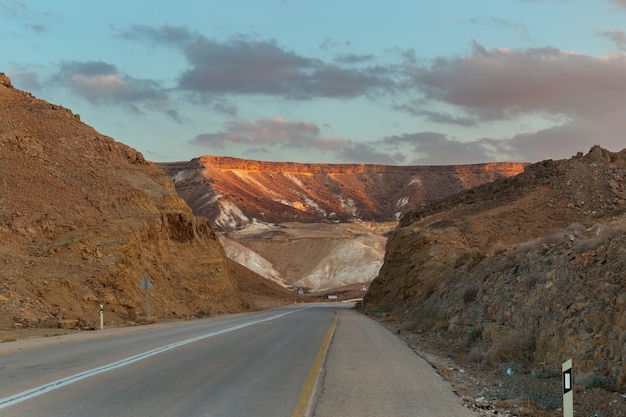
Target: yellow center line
307 391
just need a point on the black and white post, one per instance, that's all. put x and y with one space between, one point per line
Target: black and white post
568 393
101 317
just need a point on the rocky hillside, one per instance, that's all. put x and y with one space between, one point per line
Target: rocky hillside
235 192
526 271
84 218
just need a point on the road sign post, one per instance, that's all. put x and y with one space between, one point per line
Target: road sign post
145 284
568 393
101 317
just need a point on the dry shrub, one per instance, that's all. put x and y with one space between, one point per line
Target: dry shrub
586 245
555 237
421 320
469 259
590 380
576 229
499 248
612 230
440 326
514 347
477 354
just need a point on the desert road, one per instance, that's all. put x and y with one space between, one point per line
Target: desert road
268 363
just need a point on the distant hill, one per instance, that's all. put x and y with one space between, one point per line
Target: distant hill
84 218
529 270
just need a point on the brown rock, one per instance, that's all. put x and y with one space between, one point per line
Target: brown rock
85 214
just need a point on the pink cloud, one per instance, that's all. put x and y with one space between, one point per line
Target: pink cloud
500 83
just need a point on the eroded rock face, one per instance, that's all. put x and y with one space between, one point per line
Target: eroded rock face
537 261
235 192
84 218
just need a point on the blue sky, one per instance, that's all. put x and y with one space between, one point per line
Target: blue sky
401 82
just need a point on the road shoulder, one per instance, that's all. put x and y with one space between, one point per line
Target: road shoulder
370 372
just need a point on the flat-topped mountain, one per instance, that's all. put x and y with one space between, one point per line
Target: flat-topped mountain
235 192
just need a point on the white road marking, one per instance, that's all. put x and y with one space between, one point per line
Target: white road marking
59 383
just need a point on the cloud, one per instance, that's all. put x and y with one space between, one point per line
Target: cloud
620 3
618 37
245 66
354 58
101 83
169 35
432 148
561 142
20 11
263 67
416 108
269 132
27 80
360 152
502 83
519 28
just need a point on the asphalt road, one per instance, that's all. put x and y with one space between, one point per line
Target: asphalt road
259 364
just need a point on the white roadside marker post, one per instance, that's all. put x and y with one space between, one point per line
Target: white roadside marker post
101 317
568 393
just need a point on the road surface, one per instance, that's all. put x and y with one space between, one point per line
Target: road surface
268 363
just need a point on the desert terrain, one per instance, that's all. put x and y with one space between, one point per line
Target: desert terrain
495 273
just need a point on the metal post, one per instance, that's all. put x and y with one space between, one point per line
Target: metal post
145 284
147 306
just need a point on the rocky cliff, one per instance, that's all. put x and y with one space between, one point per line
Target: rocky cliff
527 270
235 192
84 218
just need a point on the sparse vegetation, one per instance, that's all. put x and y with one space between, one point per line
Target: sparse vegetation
514 347
544 394
421 320
590 380
550 239
477 354
474 336
470 258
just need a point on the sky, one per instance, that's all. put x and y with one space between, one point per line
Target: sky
395 82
